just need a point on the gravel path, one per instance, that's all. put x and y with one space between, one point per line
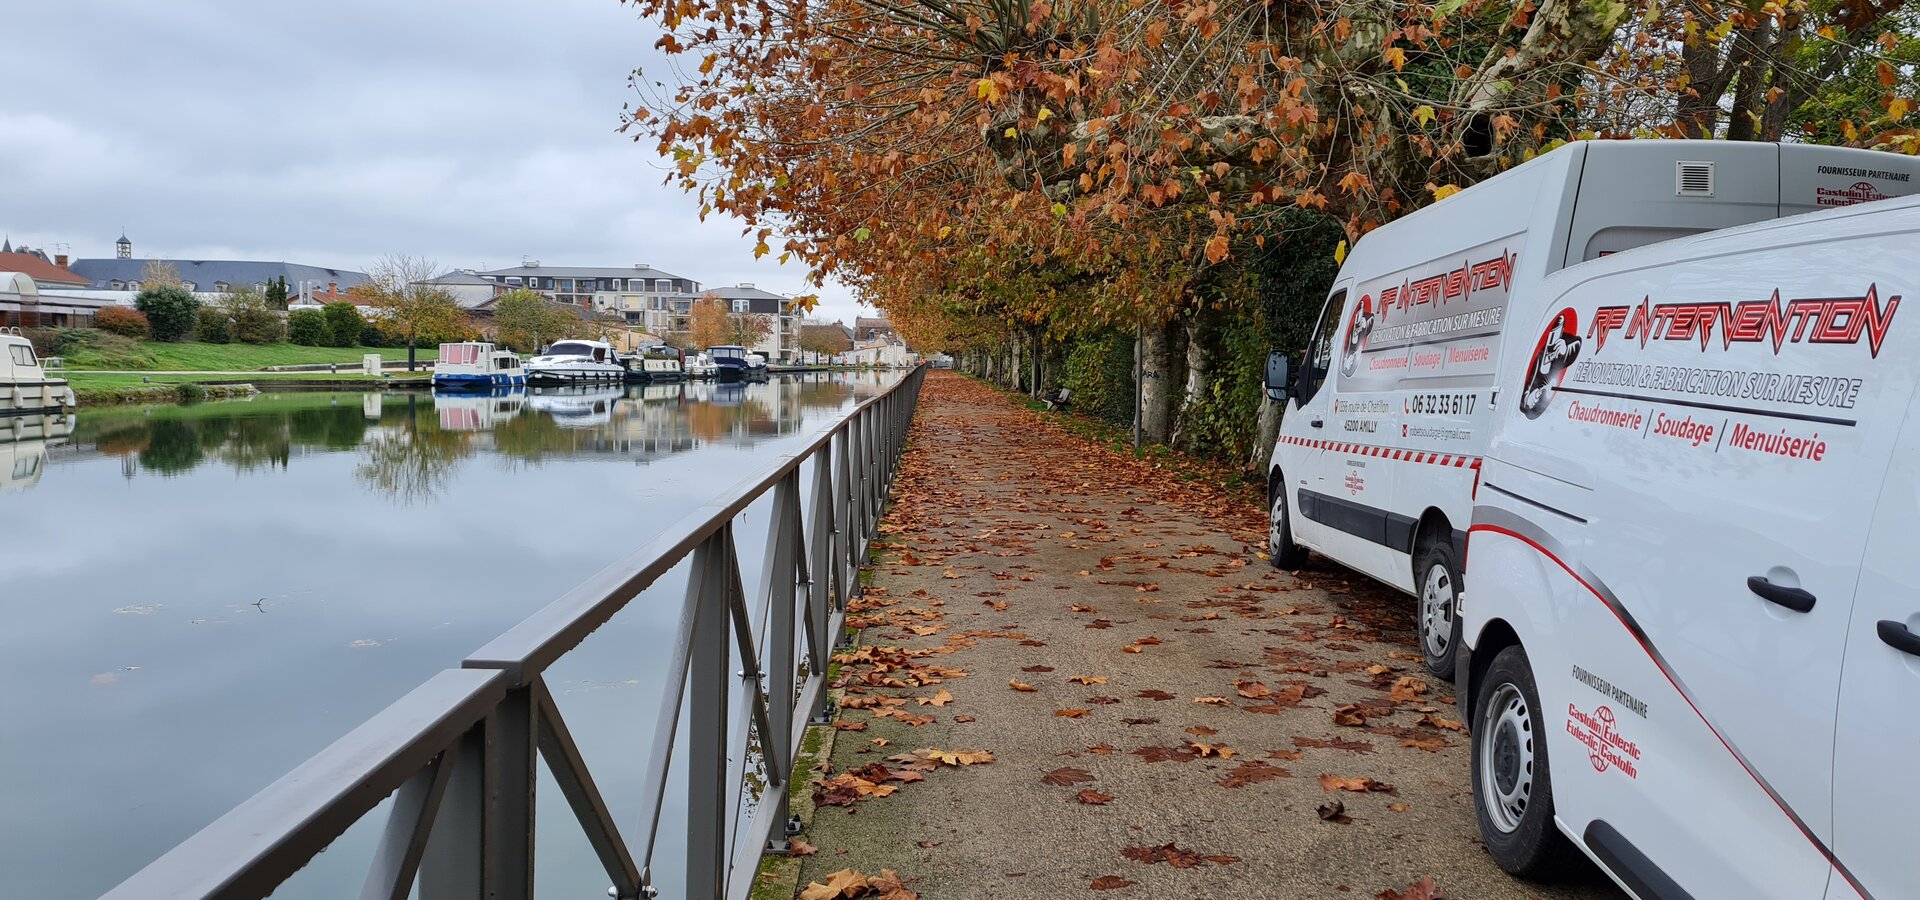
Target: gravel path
1225 708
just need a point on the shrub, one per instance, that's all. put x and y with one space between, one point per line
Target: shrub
258 325
192 393
122 320
307 327
344 324
215 326
170 311
91 349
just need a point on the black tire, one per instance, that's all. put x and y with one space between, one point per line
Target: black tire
1512 781
1281 550
1436 586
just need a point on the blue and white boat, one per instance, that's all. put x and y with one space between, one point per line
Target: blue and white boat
476 365
731 362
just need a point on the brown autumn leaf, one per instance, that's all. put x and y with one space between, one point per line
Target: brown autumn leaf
1071 713
1424 889
1202 731
1103 701
1082 608
954 757
963 719
1067 776
941 698
1166 754
1141 644
1213 701
1177 857
1087 679
1407 689
1430 744
1155 695
1357 784
1109 882
1252 690
1284 754
798 847
1349 714
844 725
924 630
1433 721
1036 669
1102 749
1091 797
1252 771
844 883
1022 686
1205 750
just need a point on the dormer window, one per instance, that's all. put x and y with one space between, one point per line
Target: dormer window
133 285
222 286
190 286
118 285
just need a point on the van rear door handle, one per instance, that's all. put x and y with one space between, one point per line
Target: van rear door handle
1317 423
1792 598
1900 637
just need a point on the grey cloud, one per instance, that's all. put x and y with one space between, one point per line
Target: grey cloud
467 131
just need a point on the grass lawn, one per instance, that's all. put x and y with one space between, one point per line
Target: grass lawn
85 379
194 356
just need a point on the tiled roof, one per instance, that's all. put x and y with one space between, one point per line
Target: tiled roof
40 270
582 272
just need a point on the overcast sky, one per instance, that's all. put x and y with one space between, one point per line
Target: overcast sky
470 132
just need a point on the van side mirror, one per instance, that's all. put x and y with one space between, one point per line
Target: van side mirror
1278 383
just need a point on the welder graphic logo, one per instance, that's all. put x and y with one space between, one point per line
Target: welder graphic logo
1559 346
1357 330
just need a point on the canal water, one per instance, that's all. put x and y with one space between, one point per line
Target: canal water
197 598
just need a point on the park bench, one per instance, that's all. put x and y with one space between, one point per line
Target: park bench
1057 400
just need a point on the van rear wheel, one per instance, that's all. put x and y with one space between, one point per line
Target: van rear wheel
1281 550
1436 575
1512 783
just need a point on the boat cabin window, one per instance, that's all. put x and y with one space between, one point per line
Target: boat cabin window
572 348
22 354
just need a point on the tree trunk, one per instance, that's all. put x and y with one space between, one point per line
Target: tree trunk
1261 455
1156 399
1202 335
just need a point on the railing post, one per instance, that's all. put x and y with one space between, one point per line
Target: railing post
846 533
513 755
454 865
708 680
784 549
820 592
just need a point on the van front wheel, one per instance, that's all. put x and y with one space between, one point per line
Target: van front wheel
1437 579
1281 550
1512 784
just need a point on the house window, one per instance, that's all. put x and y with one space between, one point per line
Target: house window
133 285
190 286
222 286
563 285
260 286
118 285
739 306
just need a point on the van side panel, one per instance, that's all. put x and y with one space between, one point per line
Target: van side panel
1819 178
1732 402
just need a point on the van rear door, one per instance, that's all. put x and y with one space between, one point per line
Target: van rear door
1875 791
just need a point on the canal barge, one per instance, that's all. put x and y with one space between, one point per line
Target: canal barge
476 365
25 388
577 362
660 363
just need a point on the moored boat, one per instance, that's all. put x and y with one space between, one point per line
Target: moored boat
25 388
661 363
576 362
730 362
700 365
476 365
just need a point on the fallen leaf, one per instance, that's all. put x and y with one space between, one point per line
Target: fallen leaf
1213 701
1252 771
1177 857
1431 744
1155 695
1022 686
1205 750
1079 608
1091 797
1037 669
1252 690
844 883
1334 811
1070 713
1088 679
1349 715
849 726
1202 731
941 698
963 719
1109 882
1432 721
798 847
1334 744
1357 785
1067 776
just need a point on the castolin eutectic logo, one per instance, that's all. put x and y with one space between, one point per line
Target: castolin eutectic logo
1559 346
1357 330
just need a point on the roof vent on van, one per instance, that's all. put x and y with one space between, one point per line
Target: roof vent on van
1693 179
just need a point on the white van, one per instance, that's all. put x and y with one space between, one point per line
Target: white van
1388 418
1692 643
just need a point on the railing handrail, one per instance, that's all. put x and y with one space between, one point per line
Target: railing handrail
460 752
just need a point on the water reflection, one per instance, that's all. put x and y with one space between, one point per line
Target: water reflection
410 445
23 447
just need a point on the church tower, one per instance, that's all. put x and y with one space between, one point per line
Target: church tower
123 248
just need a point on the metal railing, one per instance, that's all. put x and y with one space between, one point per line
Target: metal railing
460 754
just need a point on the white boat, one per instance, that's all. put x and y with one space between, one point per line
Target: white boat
478 410
576 407
25 388
23 447
476 365
661 363
700 365
577 362
757 362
